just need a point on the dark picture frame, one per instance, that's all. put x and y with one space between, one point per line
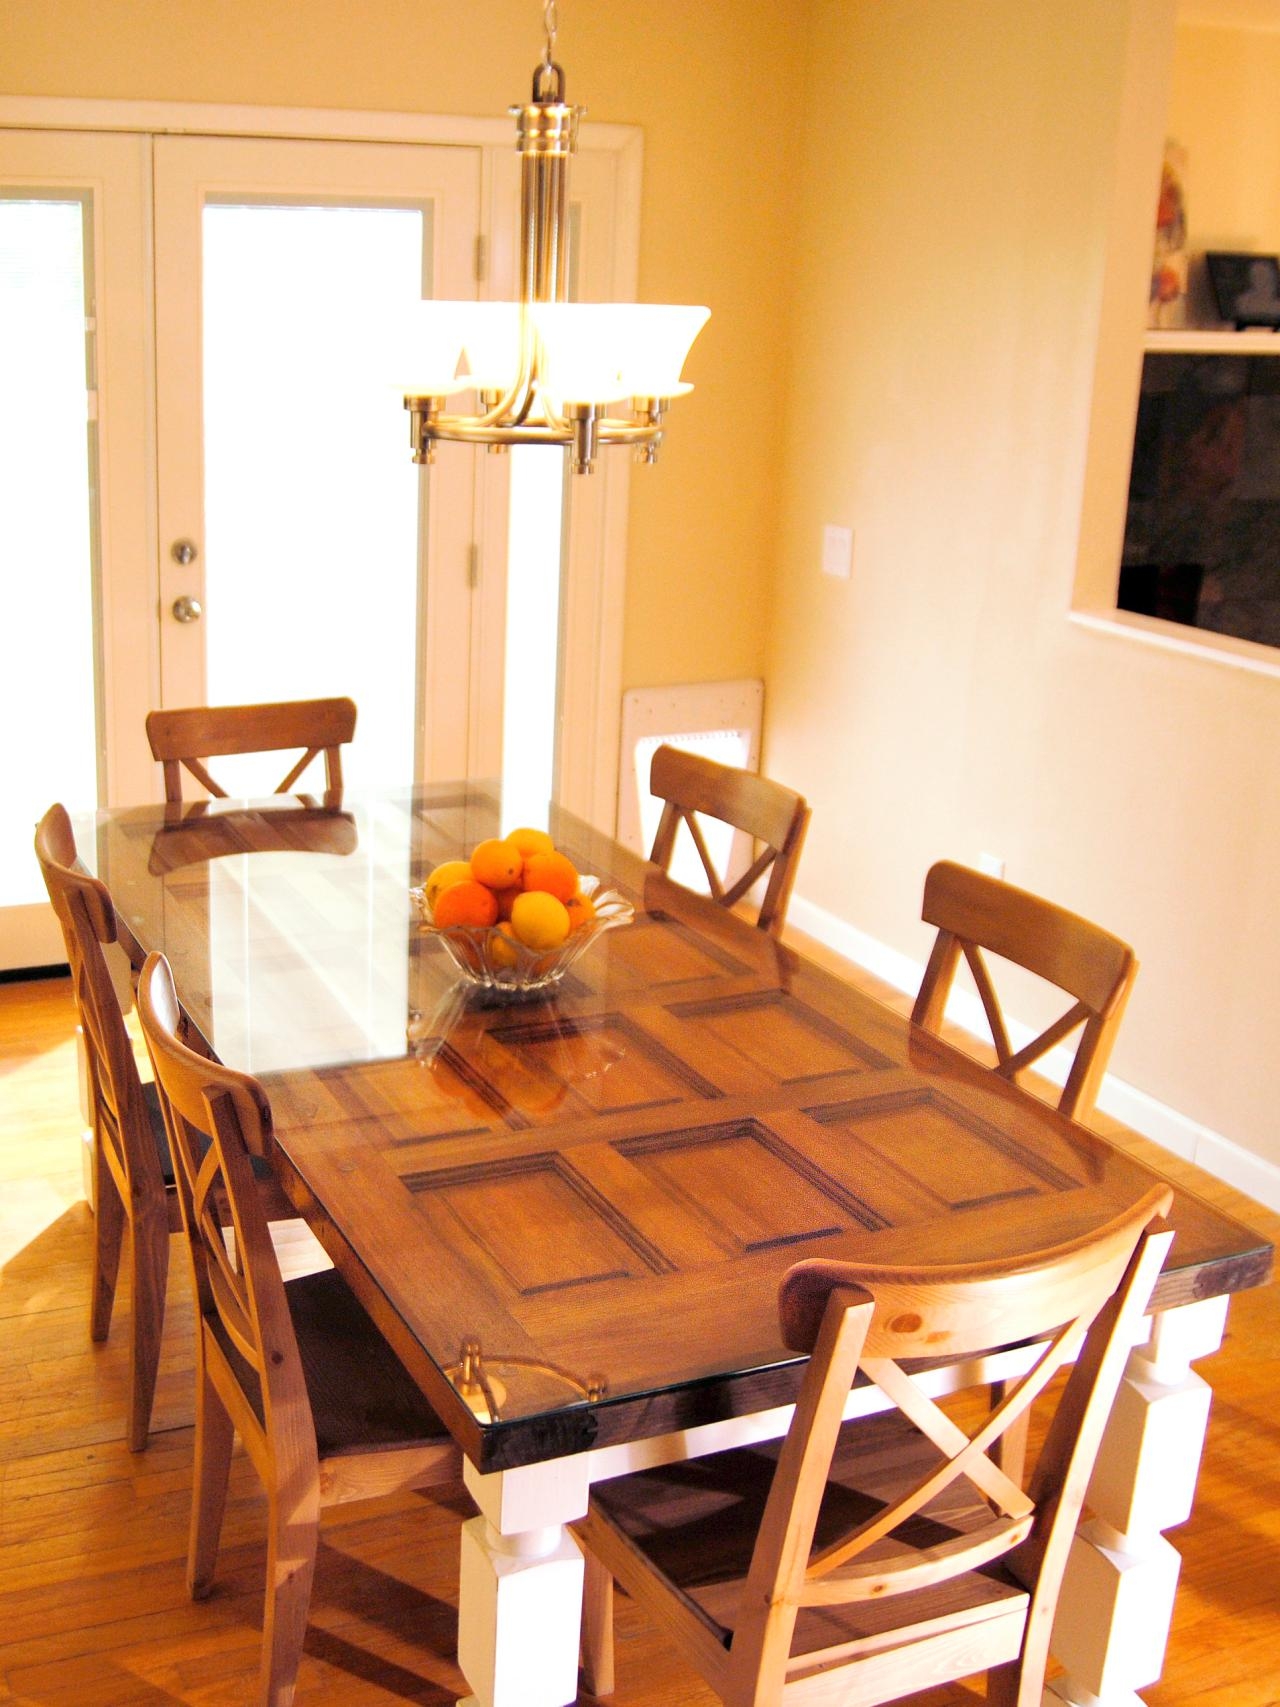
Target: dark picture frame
1246 288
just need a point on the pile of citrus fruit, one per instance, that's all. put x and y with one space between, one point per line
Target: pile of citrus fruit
519 887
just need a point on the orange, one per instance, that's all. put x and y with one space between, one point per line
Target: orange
551 872
581 910
539 920
531 841
497 864
452 871
466 903
505 898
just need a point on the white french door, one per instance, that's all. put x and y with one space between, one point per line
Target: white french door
75 424
300 551
191 408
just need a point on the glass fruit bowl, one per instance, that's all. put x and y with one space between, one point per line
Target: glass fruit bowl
491 960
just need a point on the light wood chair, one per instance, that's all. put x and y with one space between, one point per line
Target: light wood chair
690 785
860 1564
192 734
133 1182
324 1408
974 912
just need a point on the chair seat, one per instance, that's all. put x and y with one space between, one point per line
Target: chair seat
698 1521
362 1397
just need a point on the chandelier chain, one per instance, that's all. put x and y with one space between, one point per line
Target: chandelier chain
550 23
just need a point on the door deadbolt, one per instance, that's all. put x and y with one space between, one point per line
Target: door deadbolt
187 609
183 551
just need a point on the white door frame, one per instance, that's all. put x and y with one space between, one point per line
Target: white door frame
611 158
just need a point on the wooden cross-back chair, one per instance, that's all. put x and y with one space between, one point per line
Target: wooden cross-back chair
775 817
133 1182
861 1563
974 912
324 1408
132 1177
186 737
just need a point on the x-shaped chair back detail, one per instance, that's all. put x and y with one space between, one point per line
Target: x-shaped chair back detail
973 913
775 817
186 737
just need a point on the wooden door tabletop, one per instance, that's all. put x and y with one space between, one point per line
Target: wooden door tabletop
601 1190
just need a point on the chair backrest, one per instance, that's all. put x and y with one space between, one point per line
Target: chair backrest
1078 1301
87 918
188 736
774 816
217 1119
973 912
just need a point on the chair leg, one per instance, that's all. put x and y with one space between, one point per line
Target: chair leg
1011 1449
150 1272
291 1563
108 1238
210 1472
597 1628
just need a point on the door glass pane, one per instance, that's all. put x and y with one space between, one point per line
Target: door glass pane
312 526
48 665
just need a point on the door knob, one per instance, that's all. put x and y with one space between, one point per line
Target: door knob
183 551
187 609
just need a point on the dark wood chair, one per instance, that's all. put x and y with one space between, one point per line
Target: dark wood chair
185 738
324 1408
974 912
860 1564
775 817
133 1182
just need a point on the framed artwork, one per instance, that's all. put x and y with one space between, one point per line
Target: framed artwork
1246 288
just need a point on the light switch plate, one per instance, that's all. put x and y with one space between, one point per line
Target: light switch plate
837 552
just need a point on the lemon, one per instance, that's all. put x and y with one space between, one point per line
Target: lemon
539 920
502 948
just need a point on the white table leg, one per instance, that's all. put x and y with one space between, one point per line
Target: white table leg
520 1594
1122 1575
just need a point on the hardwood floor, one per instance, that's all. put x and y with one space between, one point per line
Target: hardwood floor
93 1607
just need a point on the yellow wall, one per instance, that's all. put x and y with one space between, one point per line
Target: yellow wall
716 188
959 169
1225 111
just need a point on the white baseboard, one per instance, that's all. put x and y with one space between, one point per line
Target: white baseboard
1187 1138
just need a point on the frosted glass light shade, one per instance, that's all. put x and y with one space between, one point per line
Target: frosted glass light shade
598 352
491 344
656 342
581 350
431 348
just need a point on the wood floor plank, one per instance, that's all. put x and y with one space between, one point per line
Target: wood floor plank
93 1605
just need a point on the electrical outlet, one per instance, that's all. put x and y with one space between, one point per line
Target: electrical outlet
837 552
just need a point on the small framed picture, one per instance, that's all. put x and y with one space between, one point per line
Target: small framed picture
1246 288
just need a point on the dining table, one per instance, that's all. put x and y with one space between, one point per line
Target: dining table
570 1214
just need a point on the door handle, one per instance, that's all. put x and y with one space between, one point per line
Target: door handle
187 609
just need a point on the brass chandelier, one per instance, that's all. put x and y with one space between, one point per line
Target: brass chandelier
545 370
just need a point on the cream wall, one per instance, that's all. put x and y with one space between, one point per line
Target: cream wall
958 179
716 202
1224 109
